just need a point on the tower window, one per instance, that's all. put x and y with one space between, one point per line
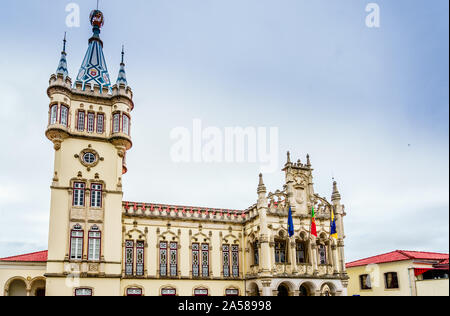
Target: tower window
89 158
95 237
129 257
78 194
81 121
54 114
126 124
226 260
64 115
116 123
322 254
76 243
100 123
96 195
140 245
91 122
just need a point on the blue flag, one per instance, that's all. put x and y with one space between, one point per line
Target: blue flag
290 224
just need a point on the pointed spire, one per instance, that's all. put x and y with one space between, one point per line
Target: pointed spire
93 70
288 158
122 78
308 161
336 196
261 186
62 66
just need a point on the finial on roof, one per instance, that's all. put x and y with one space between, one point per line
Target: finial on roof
336 196
122 78
288 158
308 160
261 186
62 66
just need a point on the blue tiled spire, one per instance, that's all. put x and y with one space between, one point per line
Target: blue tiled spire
122 78
62 67
93 70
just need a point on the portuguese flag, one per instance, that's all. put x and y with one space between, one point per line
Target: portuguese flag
313 223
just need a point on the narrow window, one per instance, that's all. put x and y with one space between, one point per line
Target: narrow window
163 259
391 280
116 123
256 253
76 243
226 260
301 252
81 121
91 122
129 257
140 245
205 260
235 260
126 124
54 114
95 237
365 282
100 123
200 292
322 254
83 292
64 115
173 259
280 251
195 260
96 195
78 194
134 292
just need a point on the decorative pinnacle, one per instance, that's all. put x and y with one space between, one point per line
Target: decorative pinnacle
288 158
336 196
123 54
308 160
64 43
261 186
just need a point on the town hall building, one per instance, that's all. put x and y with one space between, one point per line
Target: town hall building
101 245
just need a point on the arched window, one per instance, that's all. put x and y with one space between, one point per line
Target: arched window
195 260
134 292
283 290
201 292
205 260
235 260
76 243
226 260
54 114
129 257
94 242
322 254
301 253
64 115
140 247
231 292
280 251
255 248
168 292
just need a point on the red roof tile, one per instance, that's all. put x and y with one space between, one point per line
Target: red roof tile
31 257
398 255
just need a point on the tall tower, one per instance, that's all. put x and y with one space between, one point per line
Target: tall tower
89 125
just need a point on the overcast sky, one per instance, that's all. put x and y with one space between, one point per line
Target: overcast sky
370 105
